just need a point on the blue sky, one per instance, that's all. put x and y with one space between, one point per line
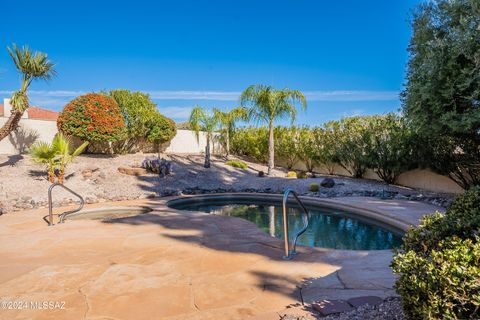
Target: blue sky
348 57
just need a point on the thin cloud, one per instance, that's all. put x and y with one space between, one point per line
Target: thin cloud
57 98
176 112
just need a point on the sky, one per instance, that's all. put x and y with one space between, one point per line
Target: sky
347 57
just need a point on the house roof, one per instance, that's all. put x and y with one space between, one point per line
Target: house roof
42 114
35 113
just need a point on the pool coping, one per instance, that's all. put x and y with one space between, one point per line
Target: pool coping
375 214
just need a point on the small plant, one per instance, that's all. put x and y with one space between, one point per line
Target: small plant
157 165
439 263
55 155
302 175
291 174
314 187
237 164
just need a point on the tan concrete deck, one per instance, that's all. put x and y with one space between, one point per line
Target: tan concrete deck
170 264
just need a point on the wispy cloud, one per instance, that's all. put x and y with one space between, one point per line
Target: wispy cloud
337 95
176 112
195 95
58 98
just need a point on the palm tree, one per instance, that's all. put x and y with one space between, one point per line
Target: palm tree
202 120
267 104
64 153
228 120
43 152
32 66
55 155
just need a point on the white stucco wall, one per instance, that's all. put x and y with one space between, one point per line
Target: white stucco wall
186 142
30 131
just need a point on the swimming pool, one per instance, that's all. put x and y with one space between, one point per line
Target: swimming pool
328 228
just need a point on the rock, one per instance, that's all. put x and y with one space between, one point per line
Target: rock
327 307
87 174
102 175
132 171
327 183
360 301
261 174
91 199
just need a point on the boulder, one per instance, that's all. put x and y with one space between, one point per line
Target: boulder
132 171
328 183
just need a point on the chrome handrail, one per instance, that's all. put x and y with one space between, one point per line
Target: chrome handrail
66 213
290 253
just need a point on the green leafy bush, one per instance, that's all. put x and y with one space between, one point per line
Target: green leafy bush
314 187
439 263
390 150
302 175
142 120
237 164
251 142
287 145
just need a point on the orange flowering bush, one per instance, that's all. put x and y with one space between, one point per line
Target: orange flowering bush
92 117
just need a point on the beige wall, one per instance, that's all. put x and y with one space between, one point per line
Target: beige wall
418 179
30 131
186 142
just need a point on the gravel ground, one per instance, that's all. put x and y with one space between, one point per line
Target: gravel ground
23 184
390 309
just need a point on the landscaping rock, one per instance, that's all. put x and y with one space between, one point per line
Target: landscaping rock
327 307
360 301
132 171
327 183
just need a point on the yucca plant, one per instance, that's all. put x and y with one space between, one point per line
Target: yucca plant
55 155
32 65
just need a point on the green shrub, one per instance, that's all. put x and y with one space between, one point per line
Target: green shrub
251 142
237 164
291 174
302 175
439 263
142 119
314 187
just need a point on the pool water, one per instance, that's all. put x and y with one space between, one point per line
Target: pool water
327 228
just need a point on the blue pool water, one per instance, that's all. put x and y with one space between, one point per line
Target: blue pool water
327 228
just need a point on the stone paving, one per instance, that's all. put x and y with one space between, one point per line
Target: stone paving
169 264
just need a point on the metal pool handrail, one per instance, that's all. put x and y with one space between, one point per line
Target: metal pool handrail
290 253
66 213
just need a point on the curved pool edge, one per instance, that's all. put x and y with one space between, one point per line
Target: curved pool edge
373 214
135 209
